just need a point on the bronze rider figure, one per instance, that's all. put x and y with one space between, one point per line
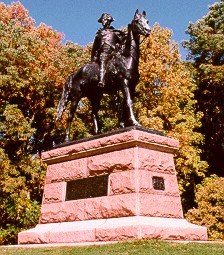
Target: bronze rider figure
107 41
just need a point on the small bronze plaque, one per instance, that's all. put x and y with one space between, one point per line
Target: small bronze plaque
87 188
158 183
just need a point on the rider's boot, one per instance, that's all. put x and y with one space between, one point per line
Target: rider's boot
101 83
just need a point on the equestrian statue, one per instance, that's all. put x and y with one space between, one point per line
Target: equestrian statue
113 67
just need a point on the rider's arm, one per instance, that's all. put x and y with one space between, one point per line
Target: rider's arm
96 48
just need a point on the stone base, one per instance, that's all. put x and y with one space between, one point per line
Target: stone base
114 229
137 196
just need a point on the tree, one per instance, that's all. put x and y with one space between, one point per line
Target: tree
34 64
33 67
166 102
21 177
206 52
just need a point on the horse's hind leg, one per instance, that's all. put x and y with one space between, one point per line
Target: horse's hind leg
95 99
73 108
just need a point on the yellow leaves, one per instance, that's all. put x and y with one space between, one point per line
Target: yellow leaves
210 207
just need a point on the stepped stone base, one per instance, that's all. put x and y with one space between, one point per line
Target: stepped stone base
117 186
114 229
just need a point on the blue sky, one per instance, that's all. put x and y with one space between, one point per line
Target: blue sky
77 19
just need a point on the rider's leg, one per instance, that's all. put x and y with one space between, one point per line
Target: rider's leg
103 60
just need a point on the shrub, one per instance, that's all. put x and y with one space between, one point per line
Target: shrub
210 207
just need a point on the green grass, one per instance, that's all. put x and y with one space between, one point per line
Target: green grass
125 248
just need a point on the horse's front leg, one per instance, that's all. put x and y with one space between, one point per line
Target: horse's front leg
129 117
67 132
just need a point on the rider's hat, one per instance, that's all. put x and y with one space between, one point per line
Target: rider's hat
107 16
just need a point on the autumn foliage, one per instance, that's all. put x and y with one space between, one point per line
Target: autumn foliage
34 64
206 52
206 55
33 67
166 102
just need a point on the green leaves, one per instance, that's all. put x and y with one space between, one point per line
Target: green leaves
21 177
206 36
16 126
206 49
177 98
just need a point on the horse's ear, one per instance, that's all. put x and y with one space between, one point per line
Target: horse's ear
143 13
136 13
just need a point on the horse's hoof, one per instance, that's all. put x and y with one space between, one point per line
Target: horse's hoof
67 140
95 132
136 124
129 123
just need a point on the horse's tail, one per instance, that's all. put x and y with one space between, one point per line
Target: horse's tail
65 97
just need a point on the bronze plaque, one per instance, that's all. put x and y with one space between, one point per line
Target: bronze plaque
86 188
158 183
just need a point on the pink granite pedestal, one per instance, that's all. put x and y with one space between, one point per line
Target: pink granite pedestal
140 200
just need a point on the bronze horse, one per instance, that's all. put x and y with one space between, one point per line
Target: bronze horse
122 74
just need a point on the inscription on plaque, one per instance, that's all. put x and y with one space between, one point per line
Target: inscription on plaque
158 183
86 188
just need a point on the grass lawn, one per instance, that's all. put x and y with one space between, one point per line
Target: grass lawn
125 248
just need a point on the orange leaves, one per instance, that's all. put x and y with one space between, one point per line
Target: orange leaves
17 14
47 32
27 55
34 65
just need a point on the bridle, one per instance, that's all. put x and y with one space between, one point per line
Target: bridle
144 36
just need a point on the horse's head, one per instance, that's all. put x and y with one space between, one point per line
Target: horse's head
140 24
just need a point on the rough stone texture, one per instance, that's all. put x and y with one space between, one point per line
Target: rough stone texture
146 186
114 142
172 229
160 206
67 171
91 208
132 209
54 193
117 234
156 161
123 183
138 227
58 233
111 207
141 181
157 140
111 162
